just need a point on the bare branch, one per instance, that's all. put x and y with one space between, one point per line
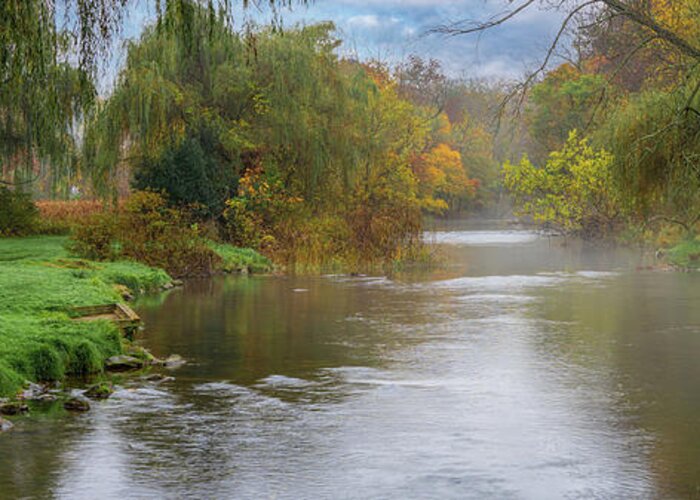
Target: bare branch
458 29
522 87
618 8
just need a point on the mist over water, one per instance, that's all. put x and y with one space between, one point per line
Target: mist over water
526 367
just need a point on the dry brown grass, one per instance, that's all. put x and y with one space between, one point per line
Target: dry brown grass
61 216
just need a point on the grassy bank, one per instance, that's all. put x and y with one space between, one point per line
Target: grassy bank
685 255
40 282
235 259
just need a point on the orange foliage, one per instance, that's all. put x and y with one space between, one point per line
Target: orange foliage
378 72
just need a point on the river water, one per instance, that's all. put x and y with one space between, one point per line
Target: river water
526 367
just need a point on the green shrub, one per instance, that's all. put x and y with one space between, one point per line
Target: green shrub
147 230
160 236
263 203
18 214
96 238
242 227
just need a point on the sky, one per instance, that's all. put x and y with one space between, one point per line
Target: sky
390 30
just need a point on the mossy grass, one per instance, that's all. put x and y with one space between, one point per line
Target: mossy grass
686 254
236 259
39 283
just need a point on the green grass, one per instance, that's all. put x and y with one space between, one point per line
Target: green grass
686 254
35 247
238 259
39 283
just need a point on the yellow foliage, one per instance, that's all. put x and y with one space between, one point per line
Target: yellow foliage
573 191
442 178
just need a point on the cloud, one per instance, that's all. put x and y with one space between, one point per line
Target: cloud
366 21
393 29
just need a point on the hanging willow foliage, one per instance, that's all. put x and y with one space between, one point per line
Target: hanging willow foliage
41 94
49 55
655 139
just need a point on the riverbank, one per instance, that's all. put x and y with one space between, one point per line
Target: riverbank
685 255
39 284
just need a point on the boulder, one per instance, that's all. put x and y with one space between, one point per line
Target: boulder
136 351
174 361
77 404
99 391
123 363
13 408
124 292
34 392
46 398
5 425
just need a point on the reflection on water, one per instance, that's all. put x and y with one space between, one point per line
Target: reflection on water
526 368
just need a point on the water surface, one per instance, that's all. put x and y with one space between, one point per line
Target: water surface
526 367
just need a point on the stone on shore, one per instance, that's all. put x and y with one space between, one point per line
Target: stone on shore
123 363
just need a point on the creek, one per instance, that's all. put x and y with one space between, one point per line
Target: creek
526 367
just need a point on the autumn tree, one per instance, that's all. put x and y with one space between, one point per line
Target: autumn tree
572 192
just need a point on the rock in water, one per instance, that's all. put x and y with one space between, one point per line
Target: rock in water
99 391
46 398
34 391
76 404
158 377
13 408
174 361
123 363
141 353
5 425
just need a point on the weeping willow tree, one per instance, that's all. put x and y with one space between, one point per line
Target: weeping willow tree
279 100
49 57
655 139
312 109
